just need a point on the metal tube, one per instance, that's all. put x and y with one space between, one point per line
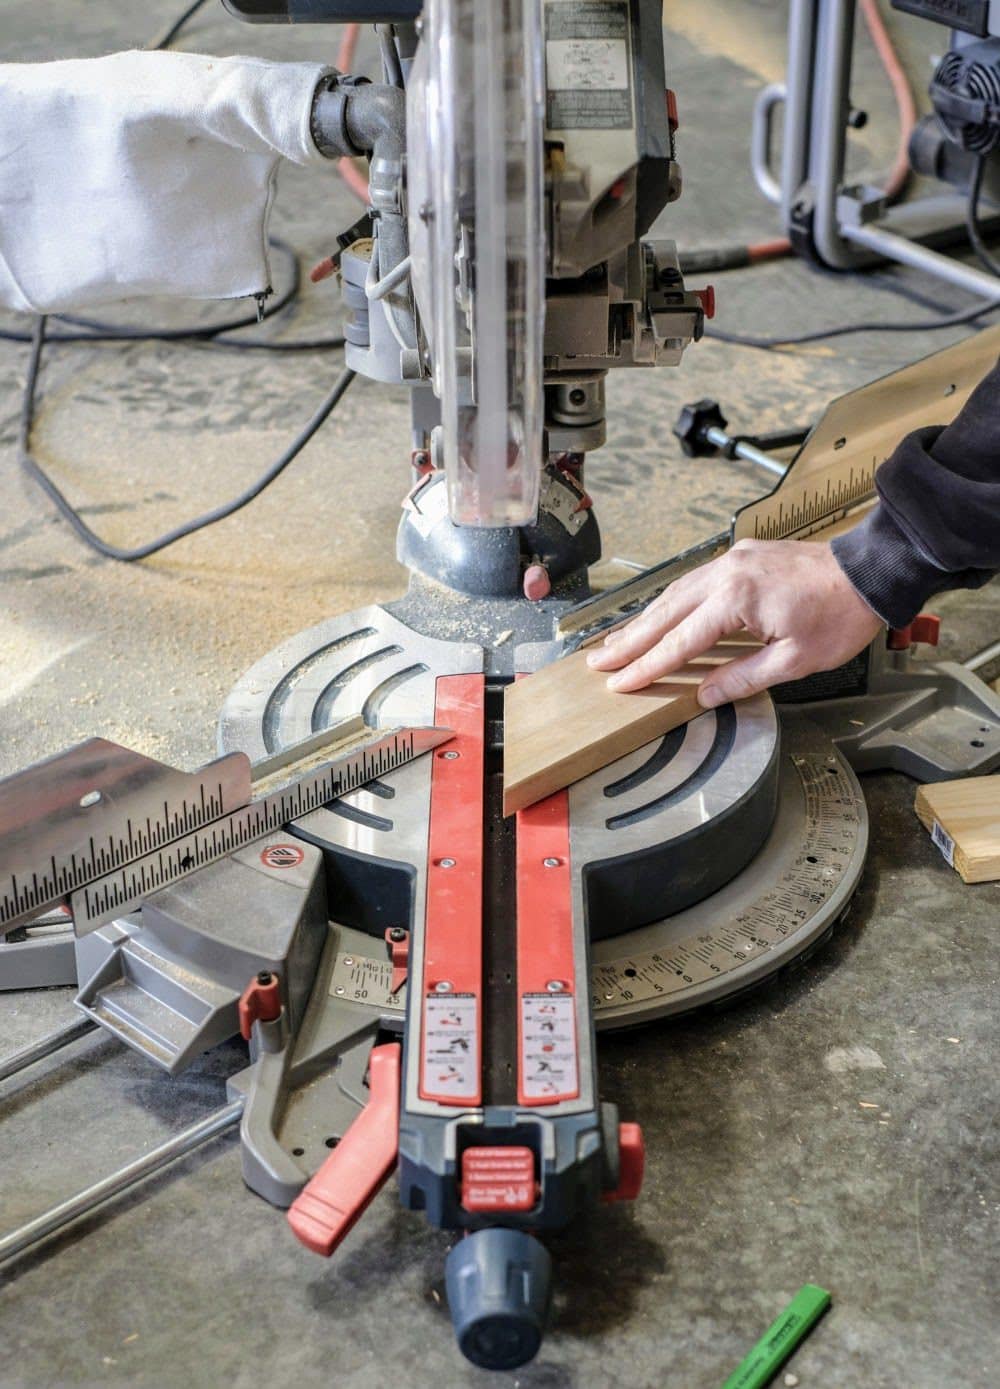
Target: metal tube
900 248
721 440
62 1037
761 140
984 657
19 1241
798 113
831 106
381 288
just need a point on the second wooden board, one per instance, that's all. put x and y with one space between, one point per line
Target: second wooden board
964 820
562 723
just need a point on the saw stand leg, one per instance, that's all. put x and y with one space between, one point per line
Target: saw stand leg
932 721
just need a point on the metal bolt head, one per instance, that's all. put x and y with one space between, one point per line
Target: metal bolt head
449 756
264 976
556 986
397 933
446 863
443 986
348 959
551 862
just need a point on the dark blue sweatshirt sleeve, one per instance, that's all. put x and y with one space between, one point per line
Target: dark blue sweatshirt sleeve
937 521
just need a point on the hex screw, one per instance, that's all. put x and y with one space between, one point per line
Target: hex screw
446 863
264 977
449 756
551 862
556 986
397 933
443 986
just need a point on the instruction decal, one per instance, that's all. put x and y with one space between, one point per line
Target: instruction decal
549 1067
451 1048
587 78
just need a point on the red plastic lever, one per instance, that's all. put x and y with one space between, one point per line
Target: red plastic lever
260 1001
707 297
631 1164
329 1205
925 629
397 938
672 116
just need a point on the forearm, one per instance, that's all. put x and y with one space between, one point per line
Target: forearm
937 523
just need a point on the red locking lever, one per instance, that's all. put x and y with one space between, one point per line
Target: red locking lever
632 1164
328 1206
925 629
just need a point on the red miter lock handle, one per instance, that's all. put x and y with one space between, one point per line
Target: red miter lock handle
328 1206
924 630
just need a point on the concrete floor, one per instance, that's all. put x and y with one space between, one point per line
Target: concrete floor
839 1127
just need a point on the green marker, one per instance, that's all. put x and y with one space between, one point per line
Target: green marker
780 1339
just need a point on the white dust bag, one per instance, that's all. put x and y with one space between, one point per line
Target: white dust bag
144 173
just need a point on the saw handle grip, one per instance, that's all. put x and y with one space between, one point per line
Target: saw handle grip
328 1206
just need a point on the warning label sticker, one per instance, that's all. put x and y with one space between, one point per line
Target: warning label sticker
587 65
451 1047
549 1067
282 856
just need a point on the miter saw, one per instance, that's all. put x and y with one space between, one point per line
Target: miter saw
418 978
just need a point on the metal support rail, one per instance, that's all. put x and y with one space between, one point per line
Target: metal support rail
66 1212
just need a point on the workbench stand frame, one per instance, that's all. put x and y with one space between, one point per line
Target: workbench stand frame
844 227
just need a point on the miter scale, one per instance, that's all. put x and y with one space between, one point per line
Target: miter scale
419 978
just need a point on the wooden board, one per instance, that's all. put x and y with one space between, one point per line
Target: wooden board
562 722
964 820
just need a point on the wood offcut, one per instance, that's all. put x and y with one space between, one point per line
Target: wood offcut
964 820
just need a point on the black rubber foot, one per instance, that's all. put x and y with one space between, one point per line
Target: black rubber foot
499 1285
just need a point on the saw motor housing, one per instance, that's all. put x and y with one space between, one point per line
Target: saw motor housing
965 94
505 271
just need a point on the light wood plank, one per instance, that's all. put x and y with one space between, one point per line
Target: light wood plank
562 722
968 811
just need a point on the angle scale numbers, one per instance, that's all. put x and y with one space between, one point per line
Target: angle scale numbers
362 979
832 821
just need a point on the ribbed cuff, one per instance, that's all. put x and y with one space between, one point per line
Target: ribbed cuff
887 569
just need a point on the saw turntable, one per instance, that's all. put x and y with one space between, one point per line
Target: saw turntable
420 979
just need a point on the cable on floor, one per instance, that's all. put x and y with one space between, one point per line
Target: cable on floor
69 513
976 238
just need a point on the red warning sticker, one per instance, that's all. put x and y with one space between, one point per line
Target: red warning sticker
282 856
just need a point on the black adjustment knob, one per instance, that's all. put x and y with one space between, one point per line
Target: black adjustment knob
693 424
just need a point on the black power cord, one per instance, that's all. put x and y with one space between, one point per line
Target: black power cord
34 469
166 36
924 325
214 335
975 231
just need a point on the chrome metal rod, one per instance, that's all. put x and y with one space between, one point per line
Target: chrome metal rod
900 248
19 1241
984 657
62 1037
721 440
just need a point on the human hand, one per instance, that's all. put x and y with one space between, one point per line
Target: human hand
791 595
